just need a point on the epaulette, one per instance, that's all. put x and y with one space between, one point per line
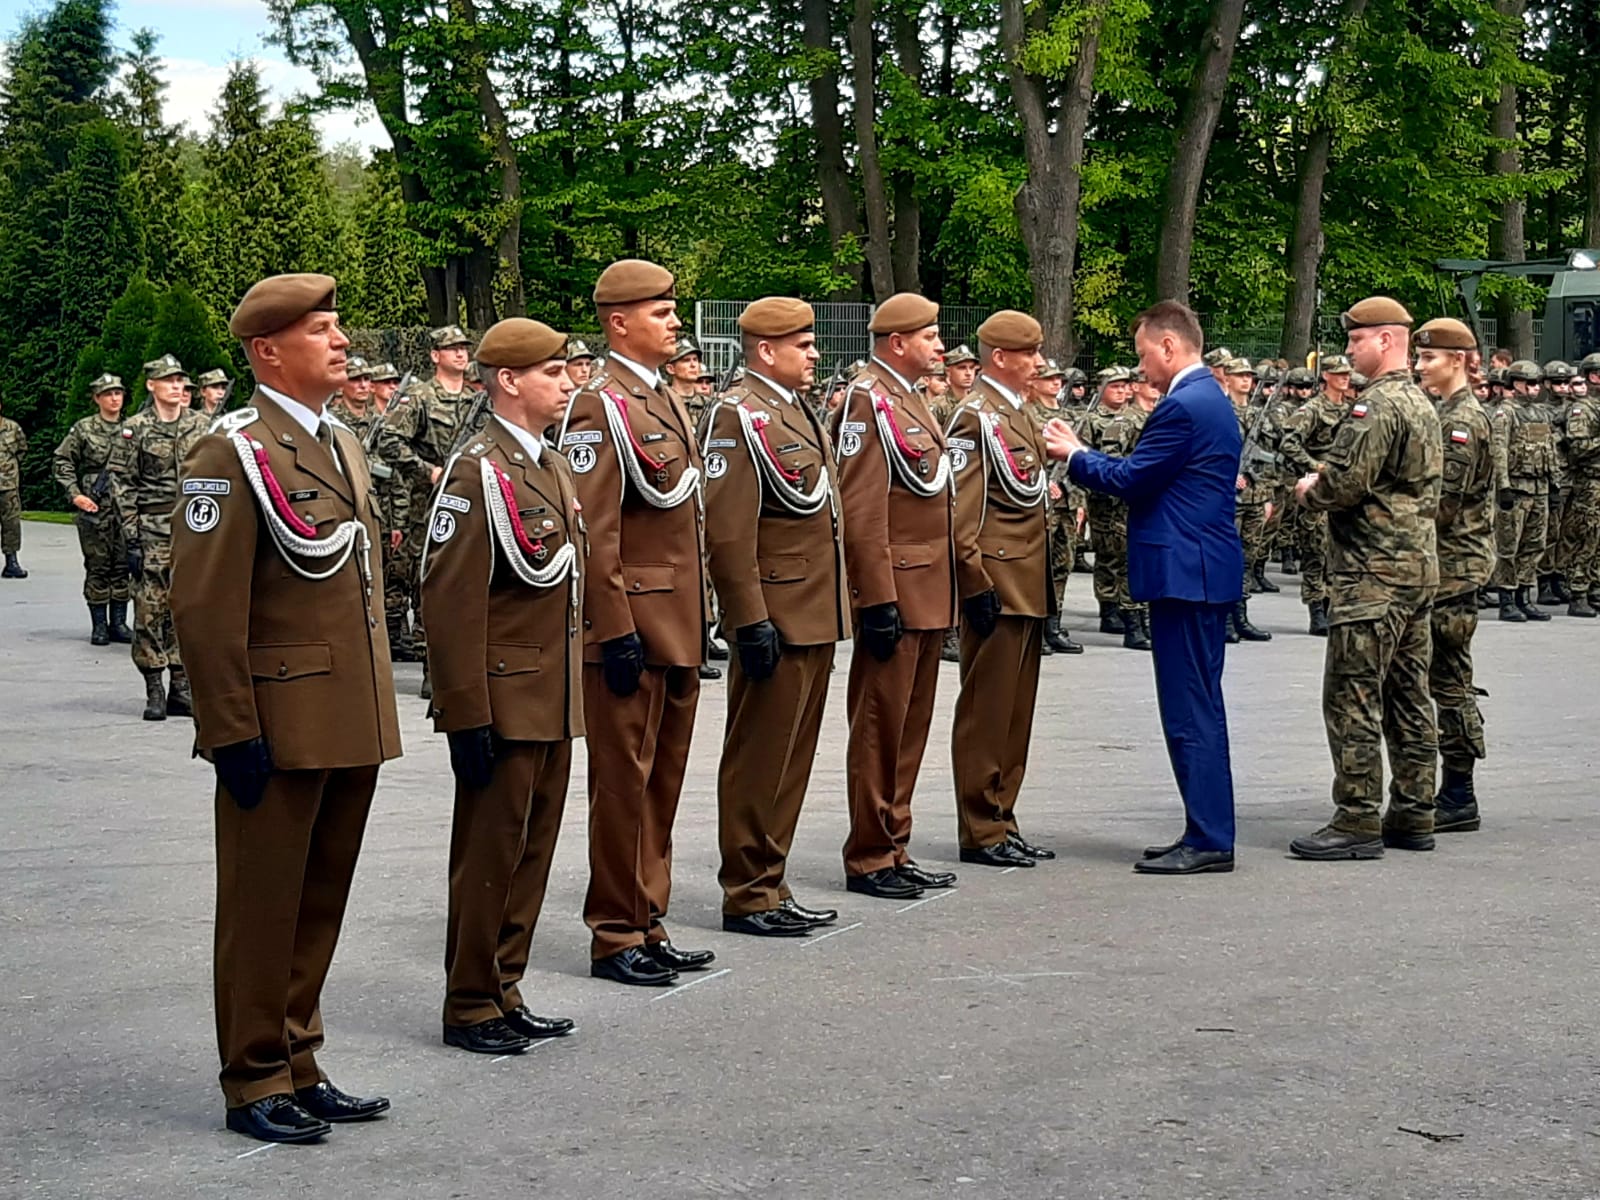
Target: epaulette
235 421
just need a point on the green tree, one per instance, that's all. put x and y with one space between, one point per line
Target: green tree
119 349
182 328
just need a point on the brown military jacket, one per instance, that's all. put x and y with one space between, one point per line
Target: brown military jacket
503 651
646 563
1466 499
303 663
770 559
1006 546
899 543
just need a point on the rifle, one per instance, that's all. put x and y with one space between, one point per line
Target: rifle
469 428
227 395
1253 454
369 444
726 377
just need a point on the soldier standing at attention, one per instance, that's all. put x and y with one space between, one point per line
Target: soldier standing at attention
1043 403
1306 439
1112 430
1252 503
1581 530
385 382
682 371
81 466
1379 484
144 491
1003 565
580 362
899 540
1524 463
1465 533
773 546
645 613
502 573
960 373
274 597
213 390
13 445
1551 571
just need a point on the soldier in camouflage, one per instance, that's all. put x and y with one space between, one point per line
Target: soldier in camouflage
1558 380
1043 404
1524 457
1112 427
680 373
13 445
1465 532
1252 500
580 362
213 392
81 465
1580 530
1379 484
960 373
1306 439
144 491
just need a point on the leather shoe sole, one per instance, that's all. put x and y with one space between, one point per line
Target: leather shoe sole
1465 825
885 885
1401 840
252 1121
1000 855
1320 853
1184 861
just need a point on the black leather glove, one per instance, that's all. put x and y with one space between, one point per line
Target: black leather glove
135 560
472 756
622 662
881 629
982 612
1508 501
759 648
242 770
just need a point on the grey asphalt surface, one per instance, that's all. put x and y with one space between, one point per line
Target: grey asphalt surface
1068 1031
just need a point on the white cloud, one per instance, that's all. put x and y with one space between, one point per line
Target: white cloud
195 87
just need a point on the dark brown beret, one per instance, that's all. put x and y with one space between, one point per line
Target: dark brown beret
1375 310
518 342
279 301
904 312
777 316
1009 329
633 281
1445 333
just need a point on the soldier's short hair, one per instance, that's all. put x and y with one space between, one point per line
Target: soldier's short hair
1170 316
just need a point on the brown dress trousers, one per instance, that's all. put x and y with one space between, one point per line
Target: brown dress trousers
305 665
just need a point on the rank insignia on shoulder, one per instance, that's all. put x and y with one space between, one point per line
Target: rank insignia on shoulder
459 503
723 443
1360 410
1460 436
206 487
582 435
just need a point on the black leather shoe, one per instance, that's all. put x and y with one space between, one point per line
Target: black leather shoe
716 651
1018 842
1158 851
772 923
1186 860
811 916
669 956
633 966
519 1020
1330 843
327 1103
886 884
709 672
1407 839
277 1119
493 1036
1001 854
912 873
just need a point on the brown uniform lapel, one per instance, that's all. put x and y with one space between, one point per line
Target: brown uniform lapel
309 454
786 414
539 479
657 400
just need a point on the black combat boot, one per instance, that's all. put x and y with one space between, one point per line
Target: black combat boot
950 651
1290 561
1058 639
155 697
1486 598
100 635
425 692
118 611
1580 607
1263 584
180 703
1111 618
1558 585
1134 637
1247 631
1319 619
1508 605
1230 631
1547 590
13 569
1045 648
1524 601
1456 805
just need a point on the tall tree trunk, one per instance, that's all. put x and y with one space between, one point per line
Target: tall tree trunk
561 245
863 81
504 258
833 172
906 249
1201 108
1507 234
1591 161
629 111
1556 148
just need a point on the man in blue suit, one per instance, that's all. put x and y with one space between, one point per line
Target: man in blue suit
1184 557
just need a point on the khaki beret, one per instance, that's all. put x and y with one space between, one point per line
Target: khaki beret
385 372
164 367
447 336
106 383
777 316
961 354
904 312
1445 333
355 367
217 378
633 281
1009 329
518 342
1335 364
279 301
1373 311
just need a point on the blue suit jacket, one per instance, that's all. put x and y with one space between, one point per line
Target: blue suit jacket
1179 485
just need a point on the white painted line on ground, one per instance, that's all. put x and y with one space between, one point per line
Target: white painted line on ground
257 1150
926 900
833 933
684 987
1008 870
501 1059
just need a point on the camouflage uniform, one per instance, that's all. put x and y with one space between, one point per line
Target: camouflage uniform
1250 506
392 504
1580 531
1306 438
1524 455
81 465
1379 485
1112 432
13 445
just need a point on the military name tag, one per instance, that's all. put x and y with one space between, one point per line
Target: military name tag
723 443
459 503
961 444
653 437
583 435
854 427
209 487
531 512
308 494
790 448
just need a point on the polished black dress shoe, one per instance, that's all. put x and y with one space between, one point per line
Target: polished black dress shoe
911 873
811 916
1001 854
1158 851
772 923
633 966
519 1020
493 1036
886 884
1028 848
1186 860
707 671
277 1119
328 1103
1407 839
669 956
1329 843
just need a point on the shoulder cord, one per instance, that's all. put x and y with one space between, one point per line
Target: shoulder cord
770 473
1013 479
889 434
289 533
616 410
505 525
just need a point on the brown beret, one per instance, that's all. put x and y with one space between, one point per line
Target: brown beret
904 312
777 316
1009 329
1375 310
279 301
518 342
1445 333
633 281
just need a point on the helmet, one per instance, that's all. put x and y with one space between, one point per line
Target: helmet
1590 362
1358 381
1076 378
1300 377
1556 371
1498 377
1524 371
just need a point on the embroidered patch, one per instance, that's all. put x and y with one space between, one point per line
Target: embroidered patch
207 487
724 443
958 458
1360 410
961 444
444 526
716 466
583 435
308 494
1460 436
850 443
459 503
127 433
202 514
582 459
853 427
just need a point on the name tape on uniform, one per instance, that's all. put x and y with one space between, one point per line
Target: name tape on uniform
206 487
723 443
583 435
854 427
459 503
961 444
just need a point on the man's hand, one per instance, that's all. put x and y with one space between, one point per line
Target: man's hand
621 663
881 629
243 769
1059 439
395 538
135 560
84 504
1240 483
759 649
1080 521
982 612
434 473
1055 493
1268 514
1304 485
472 756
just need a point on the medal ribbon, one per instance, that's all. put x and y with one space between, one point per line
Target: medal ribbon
534 550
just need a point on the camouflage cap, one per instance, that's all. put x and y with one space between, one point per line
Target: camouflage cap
936 370
1525 370
448 336
683 349
1051 370
1557 371
576 349
1589 362
1237 366
1219 356
1114 374
106 383
217 378
385 373
961 354
1137 375
473 373
164 367
1335 364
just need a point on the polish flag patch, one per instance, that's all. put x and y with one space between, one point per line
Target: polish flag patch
1460 436
1359 410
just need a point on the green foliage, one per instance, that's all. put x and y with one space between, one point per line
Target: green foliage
182 329
120 348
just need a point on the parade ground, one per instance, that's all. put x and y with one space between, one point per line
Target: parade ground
1420 1026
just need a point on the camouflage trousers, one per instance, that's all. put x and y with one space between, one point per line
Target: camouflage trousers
398 567
1311 543
155 642
1450 680
1519 537
1108 538
1286 521
10 521
409 568
1555 515
1062 536
1251 521
105 558
1375 690
1580 537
